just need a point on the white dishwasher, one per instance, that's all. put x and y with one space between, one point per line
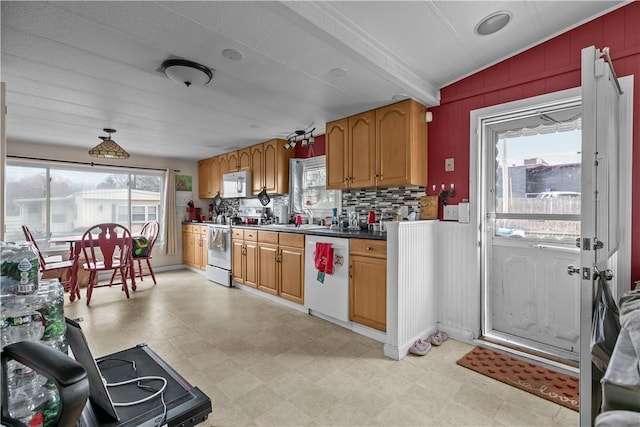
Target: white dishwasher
328 295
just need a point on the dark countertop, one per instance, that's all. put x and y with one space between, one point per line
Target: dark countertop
318 231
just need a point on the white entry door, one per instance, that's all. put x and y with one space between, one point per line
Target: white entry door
532 206
606 114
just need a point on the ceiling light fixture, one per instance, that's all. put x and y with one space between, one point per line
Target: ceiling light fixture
338 72
108 148
493 23
399 97
305 138
232 54
187 72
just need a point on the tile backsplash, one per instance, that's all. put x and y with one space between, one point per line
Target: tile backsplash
385 201
382 200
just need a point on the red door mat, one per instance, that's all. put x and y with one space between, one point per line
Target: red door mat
554 386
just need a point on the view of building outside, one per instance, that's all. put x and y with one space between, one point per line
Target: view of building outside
539 175
58 202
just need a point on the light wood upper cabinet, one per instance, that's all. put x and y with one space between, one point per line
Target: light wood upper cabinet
205 179
276 166
216 177
336 146
257 168
350 147
244 159
362 153
379 148
233 162
210 177
268 163
401 144
272 173
222 164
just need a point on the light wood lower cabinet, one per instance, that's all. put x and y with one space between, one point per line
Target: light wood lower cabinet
194 246
368 283
244 257
281 265
268 267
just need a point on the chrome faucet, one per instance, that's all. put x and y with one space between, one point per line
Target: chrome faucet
309 214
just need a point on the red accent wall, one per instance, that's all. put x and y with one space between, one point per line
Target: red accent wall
317 149
549 67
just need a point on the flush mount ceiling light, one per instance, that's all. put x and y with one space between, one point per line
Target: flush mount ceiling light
187 72
305 138
108 148
399 97
493 23
232 54
338 72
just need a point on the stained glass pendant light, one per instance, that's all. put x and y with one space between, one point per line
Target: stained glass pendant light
108 148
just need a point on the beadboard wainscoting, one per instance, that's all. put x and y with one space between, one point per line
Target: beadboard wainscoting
457 274
411 284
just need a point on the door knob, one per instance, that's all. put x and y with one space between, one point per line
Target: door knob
571 270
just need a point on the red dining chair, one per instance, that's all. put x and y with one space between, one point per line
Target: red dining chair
52 266
106 247
150 231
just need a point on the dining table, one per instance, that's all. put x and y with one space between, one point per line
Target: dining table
75 246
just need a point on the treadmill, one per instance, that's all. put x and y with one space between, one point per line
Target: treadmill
135 387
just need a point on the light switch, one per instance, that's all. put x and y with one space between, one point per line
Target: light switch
448 164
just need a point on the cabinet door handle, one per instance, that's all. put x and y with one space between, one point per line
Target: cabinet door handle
369 248
350 267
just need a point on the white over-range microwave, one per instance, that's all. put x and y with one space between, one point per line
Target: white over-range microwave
237 184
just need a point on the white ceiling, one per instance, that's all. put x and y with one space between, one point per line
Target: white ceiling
74 68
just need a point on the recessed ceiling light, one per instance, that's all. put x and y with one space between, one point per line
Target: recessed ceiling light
232 54
493 23
399 97
338 72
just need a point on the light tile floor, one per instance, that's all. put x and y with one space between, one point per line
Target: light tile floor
263 364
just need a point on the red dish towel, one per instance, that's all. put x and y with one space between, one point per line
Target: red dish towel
324 258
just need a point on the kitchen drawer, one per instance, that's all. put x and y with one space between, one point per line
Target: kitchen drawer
295 240
251 235
202 229
237 233
187 228
366 247
268 237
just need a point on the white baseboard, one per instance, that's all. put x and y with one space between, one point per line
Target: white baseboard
369 332
270 297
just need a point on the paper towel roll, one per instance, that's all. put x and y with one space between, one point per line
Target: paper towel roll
283 216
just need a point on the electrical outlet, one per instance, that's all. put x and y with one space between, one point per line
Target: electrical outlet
448 164
450 213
